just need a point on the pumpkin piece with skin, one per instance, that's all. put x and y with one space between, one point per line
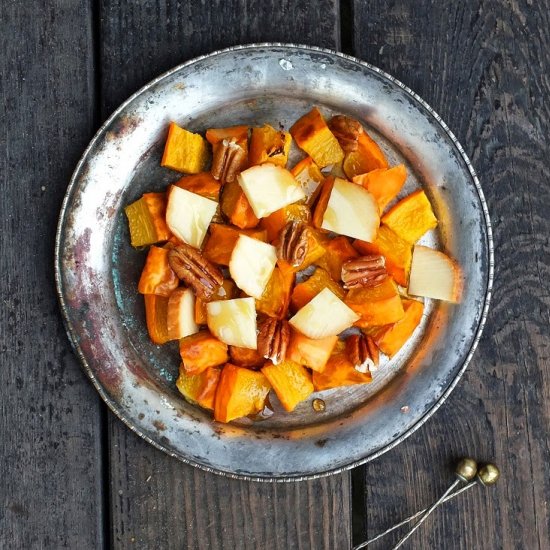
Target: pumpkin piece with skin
269 145
156 318
184 151
157 276
202 350
199 389
290 381
147 220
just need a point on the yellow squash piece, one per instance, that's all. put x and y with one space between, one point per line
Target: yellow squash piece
269 145
200 388
291 382
147 220
184 151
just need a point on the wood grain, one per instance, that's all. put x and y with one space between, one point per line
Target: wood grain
50 446
155 500
484 67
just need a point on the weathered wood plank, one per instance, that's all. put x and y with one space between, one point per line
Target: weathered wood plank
50 458
483 66
156 501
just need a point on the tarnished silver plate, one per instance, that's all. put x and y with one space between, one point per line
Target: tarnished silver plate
97 271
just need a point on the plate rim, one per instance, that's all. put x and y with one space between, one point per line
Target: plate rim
73 338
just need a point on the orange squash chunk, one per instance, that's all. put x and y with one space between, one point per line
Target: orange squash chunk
312 134
184 151
240 392
390 338
236 207
339 371
291 382
379 305
338 251
311 353
310 177
244 357
202 184
383 185
157 276
269 145
276 296
398 253
156 317
147 220
322 202
201 351
222 241
278 219
367 157
227 291
411 217
304 292
199 389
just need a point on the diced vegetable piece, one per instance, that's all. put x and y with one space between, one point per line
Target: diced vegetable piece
390 338
269 188
312 134
147 220
351 211
309 176
201 351
305 291
188 215
233 321
379 305
276 296
243 357
338 251
157 276
199 389
411 217
184 151
398 253
311 353
181 314
251 265
156 317
291 382
269 145
325 315
435 275
278 219
322 202
222 241
227 291
240 392
384 185
339 371
202 184
367 157
236 207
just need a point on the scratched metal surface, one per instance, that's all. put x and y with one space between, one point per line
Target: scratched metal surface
97 271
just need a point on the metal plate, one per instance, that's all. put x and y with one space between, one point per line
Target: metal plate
97 271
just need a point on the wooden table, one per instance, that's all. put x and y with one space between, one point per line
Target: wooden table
73 476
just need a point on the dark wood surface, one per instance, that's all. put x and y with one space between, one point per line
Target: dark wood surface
71 475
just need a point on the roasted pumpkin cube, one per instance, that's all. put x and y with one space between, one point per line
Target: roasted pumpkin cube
276 296
339 371
227 291
291 382
157 276
367 157
390 338
201 351
411 217
310 177
147 220
379 305
240 392
322 202
384 185
184 151
398 253
244 357
236 207
156 317
338 251
312 134
202 184
222 241
310 353
269 145
278 219
305 291
199 389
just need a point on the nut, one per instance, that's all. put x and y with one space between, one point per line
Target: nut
228 160
195 270
347 131
273 339
366 271
293 243
361 351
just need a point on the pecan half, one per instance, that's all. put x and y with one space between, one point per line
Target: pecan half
293 243
195 270
273 339
366 271
228 160
347 131
362 352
